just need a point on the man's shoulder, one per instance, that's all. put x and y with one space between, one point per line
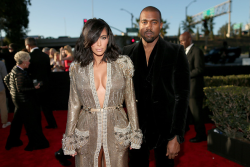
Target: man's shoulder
128 48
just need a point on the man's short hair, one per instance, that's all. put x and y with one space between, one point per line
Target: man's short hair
46 49
13 46
152 9
30 41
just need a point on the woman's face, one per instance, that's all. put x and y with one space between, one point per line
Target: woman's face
66 52
51 52
100 46
26 64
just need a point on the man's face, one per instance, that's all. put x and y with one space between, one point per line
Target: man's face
150 25
185 41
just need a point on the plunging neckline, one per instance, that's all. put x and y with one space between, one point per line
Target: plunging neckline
93 87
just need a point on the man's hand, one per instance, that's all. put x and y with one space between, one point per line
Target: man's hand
173 148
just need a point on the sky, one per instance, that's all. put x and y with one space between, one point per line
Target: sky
53 18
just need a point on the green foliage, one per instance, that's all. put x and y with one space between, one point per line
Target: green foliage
179 32
224 30
197 34
14 19
231 109
163 30
186 25
211 27
236 80
240 31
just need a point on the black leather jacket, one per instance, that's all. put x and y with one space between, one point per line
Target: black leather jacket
19 84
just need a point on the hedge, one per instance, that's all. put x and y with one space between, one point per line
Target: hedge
231 109
236 80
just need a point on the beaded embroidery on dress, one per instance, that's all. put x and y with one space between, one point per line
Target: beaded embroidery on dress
111 127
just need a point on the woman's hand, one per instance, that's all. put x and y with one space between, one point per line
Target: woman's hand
37 86
74 154
130 148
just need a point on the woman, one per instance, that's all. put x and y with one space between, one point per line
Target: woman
98 129
21 89
52 51
58 63
70 57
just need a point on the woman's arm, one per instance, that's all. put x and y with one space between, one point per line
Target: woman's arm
74 106
71 58
130 100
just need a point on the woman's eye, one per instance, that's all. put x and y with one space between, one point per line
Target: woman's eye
104 38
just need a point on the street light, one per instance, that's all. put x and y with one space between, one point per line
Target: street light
132 16
187 7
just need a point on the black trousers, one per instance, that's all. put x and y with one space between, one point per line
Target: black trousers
140 157
195 106
43 103
26 114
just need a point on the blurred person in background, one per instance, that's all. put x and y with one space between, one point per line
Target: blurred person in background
46 50
40 71
22 91
196 62
9 63
9 56
62 52
70 57
3 106
51 56
58 63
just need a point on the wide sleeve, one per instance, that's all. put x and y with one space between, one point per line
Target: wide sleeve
199 64
182 89
130 100
74 107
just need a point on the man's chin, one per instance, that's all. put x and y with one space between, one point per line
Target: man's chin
149 40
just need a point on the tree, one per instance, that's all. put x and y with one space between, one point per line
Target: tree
197 34
163 30
224 29
211 26
179 32
186 25
240 31
14 19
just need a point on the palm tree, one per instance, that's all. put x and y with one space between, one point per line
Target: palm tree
187 26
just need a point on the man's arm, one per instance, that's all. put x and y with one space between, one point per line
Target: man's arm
199 64
182 88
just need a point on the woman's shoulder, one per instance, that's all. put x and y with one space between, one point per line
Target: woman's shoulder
74 66
126 64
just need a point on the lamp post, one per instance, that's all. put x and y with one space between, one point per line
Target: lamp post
187 7
132 16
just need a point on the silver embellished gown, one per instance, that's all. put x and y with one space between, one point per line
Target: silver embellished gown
89 127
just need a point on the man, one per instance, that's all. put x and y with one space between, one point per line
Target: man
46 50
196 66
161 82
40 71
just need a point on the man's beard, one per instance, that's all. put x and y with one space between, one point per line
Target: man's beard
148 39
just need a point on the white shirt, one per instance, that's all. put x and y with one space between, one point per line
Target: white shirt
33 49
188 48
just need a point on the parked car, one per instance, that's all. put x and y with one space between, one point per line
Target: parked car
220 55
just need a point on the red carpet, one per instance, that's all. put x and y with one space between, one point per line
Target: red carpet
192 155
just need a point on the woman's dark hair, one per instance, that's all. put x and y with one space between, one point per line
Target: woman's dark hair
90 34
